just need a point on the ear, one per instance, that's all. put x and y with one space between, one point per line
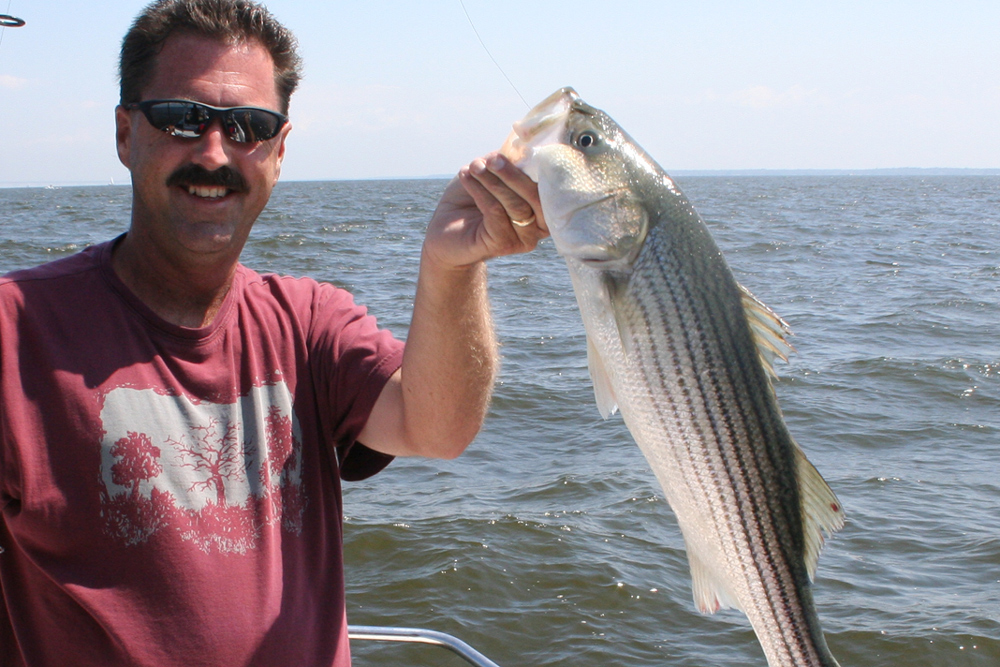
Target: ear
281 150
123 135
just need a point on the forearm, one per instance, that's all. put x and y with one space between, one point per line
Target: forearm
450 361
435 404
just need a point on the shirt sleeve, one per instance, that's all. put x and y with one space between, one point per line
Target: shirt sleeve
351 359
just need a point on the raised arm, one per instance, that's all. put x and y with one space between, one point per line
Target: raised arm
435 404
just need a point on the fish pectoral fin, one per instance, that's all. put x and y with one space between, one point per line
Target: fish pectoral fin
604 393
769 331
615 285
710 594
822 513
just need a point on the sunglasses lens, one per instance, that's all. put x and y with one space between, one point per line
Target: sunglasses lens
181 119
191 120
247 125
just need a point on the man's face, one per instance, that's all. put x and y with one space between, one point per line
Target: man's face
174 211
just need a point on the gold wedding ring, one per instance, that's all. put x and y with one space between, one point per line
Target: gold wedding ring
523 223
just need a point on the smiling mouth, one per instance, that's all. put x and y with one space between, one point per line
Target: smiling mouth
208 185
207 191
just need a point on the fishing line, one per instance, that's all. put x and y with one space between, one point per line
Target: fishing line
3 29
462 2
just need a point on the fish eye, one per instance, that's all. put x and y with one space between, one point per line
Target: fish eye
586 139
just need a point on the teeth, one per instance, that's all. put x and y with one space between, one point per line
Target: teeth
210 192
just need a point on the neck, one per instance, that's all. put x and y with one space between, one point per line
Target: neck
182 293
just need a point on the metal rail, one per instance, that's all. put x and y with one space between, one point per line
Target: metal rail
420 636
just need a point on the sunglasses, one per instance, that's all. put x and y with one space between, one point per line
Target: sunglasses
183 118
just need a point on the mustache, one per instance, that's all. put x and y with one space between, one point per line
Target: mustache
193 174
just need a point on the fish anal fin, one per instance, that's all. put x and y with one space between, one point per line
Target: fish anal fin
822 513
710 594
604 393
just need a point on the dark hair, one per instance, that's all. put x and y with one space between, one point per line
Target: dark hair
229 21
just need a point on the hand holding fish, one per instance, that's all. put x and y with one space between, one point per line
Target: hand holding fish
490 209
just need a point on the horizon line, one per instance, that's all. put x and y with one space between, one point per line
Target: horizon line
879 171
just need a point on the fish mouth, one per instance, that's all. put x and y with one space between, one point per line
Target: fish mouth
545 113
544 116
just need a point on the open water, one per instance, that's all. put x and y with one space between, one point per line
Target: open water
549 543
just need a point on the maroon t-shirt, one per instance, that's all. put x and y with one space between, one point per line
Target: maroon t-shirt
171 496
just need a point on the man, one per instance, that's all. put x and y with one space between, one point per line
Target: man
174 426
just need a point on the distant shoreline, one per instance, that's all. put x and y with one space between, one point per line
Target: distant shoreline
893 171
680 173
898 171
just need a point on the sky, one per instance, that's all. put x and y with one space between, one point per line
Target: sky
405 89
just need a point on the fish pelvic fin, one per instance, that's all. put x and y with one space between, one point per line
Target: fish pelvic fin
769 331
604 393
822 513
710 593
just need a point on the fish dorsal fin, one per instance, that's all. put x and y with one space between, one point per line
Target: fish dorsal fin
822 513
604 394
769 331
710 594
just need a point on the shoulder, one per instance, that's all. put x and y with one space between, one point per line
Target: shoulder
56 277
87 259
258 284
327 315
305 296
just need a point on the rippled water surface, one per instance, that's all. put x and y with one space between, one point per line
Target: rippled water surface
549 543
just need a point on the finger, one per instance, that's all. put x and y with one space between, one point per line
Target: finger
504 236
513 189
525 188
510 174
492 181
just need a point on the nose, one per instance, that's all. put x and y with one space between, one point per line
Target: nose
210 149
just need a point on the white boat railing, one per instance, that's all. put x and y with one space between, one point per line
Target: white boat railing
420 636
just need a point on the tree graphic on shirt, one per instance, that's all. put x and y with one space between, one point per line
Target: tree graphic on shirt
133 516
282 447
138 460
283 451
219 476
217 452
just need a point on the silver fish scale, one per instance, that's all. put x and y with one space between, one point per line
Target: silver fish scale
697 401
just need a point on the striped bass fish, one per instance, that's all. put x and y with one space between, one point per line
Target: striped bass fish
685 353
